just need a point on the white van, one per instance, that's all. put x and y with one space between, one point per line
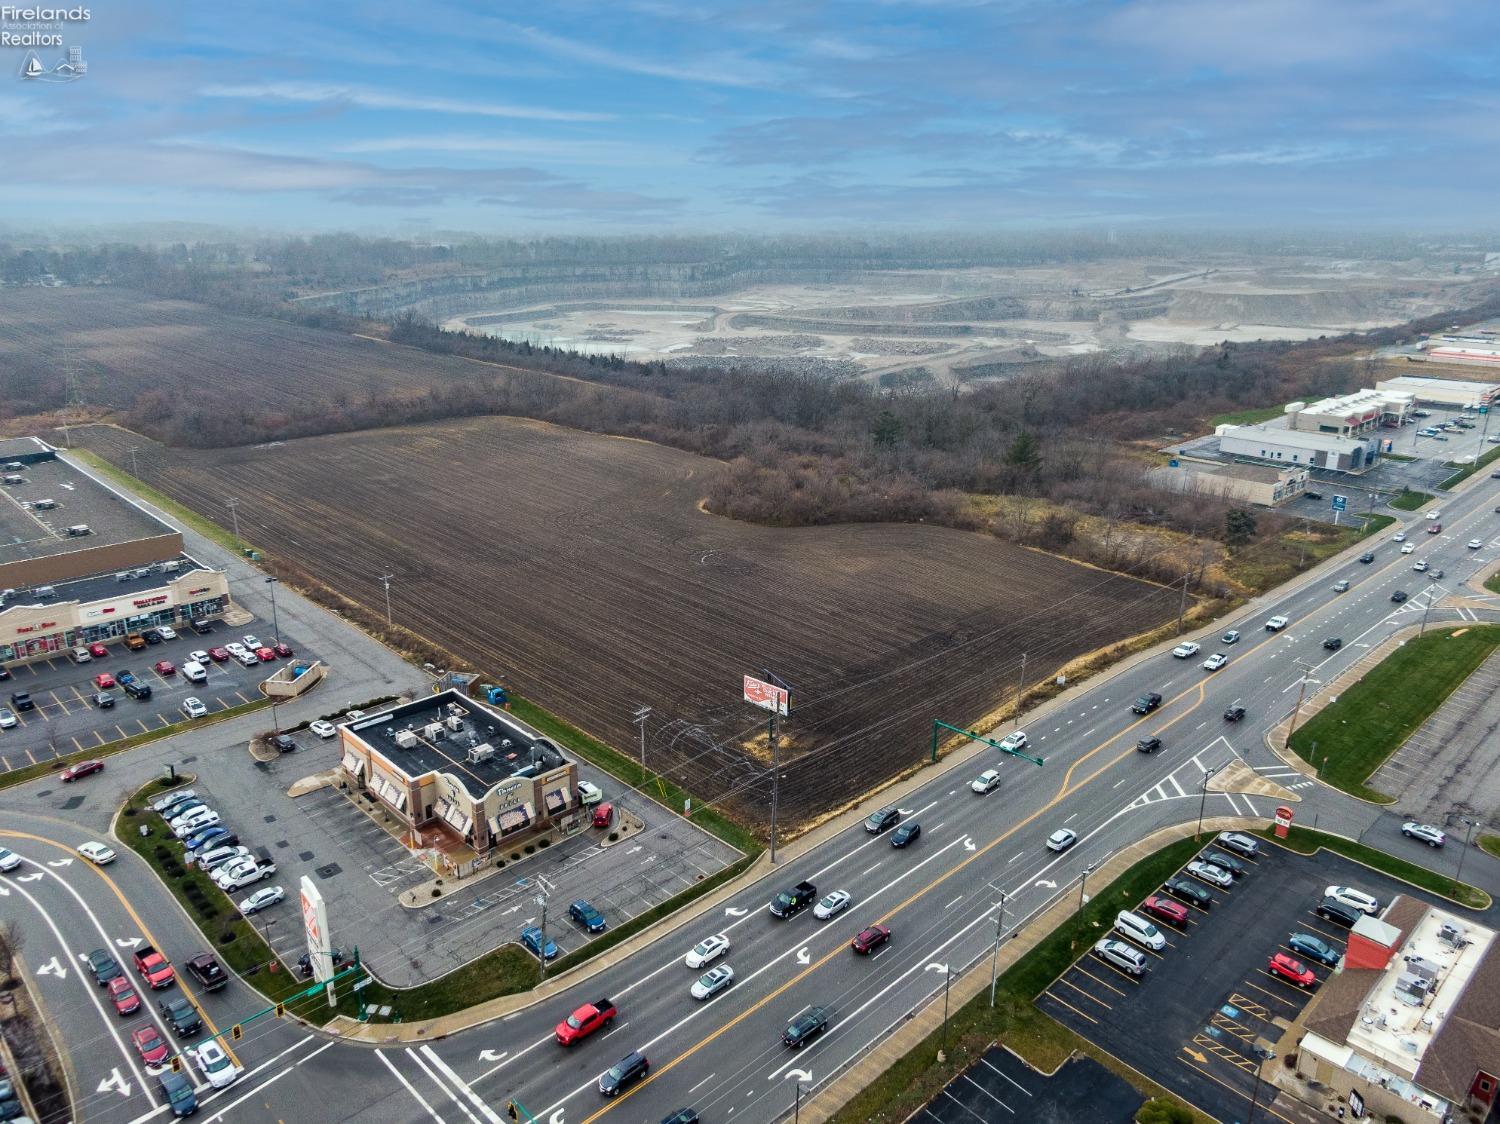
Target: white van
194 672
1134 927
81 655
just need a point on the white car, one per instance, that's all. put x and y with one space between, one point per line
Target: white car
9 860
1434 515
163 803
216 1066
251 642
195 822
1061 839
7 718
1341 586
263 898
192 707
707 951
166 632
1408 549
1230 637
1352 897
986 782
1215 661
221 856
82 655
200 656
1213 875
712 982
1400 536
241 876
831 906
194 672
96 853
246 659
1185 649
1420 567
1475 544
1018 740
328 729
1276 624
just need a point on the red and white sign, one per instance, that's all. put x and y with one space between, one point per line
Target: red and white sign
315 922
1283 821
767 696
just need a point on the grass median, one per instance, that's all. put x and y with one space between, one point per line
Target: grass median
1305 841
1465 471
1349 739
1015 1020
1409 500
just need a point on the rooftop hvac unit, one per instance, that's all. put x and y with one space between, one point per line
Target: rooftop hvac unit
455 710
481 753
506 743
1453 935
454 722
1421 967
406 739
526 771
433 731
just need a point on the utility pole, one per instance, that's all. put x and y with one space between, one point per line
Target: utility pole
995 959
386 578
1203 798
797 1106
1302 560
1431 600
1021 689
1464 850
639 717
1083 881
275 621
1301 691
541 900
1182 601
775 782
134 468
231 504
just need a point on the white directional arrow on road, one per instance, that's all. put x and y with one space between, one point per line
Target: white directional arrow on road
512 909
4 893
732 912
59 862
131 942
30 877
491 1055
115 1082
53 967
1044 882
970 845
803 956
802 1076
906 811
556 1117
634 849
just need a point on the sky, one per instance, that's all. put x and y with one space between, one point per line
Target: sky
774 116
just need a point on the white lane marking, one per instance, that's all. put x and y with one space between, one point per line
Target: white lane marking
954 902
431 1055
433 1077
410 1088
702 1083
219 1115
1071 818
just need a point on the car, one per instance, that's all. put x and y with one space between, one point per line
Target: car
587 916
1165 909
323 729
216 838
196 820
151 635
1399 596
1420 567
1215 661
707 951
1435 514
235 647
681 1116
264 654
986 782
21 700
1367 557
240 876
1291 969
181 808
1314 948
250 642
1436 528
7 718
1015 740
96 853
1428 834
167 631
532 938
246 659
163 804
1225 862
1341 586
194 672
134 641
883 819
906 834
1355 897
712 982
604 814
82 655
219 655
867 940
1185 649
338 959
832 905
192 707
177 1090
181 1016
202 628
219 855
81 769
1146 703
9 860
263 898
1333 643
1234 713
282 650
1399 536
1185 889
215 1064
1230 637
1119 954
1276 624
284 743
104 681
1061 839
104 700
1439 437
199 657
137 690
1408 548
98 651
1475 544
151 1046
104 967
1148 744
805 1027
1213 875
625 1072
123 995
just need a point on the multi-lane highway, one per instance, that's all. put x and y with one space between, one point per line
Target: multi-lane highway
939 896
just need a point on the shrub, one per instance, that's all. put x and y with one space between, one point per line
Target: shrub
1157 1111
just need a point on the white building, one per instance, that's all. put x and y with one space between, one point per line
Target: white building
1348 415
1262 484
1276 444
1460 393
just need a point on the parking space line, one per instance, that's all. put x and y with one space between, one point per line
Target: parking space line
1070 1007
1217 1048
75 744
241 697
1080 970
30 757
1251 1007
987 1093
1272 994
1085 993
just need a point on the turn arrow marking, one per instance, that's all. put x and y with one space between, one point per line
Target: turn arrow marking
1044 882
491 1056
556 1117
130 943
1199 1058
969 844
115 1082
803 956
802 1076
31 877
53 967
730 911
59 862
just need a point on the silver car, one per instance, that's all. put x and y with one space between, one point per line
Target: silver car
712 982
1121 955
1428 834
1213 875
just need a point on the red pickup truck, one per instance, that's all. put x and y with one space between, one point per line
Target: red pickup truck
154 967
584 1021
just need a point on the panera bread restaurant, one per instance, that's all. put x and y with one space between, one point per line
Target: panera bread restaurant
46 620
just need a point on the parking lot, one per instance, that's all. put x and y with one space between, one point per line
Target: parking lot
65 718
1000 1086
1207 1009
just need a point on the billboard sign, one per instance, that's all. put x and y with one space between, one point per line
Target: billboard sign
767 696
315 922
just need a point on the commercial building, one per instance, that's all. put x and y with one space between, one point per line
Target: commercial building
1275 443
1458 393
1477 356
1409 1027
1349 415
462 775
1262 484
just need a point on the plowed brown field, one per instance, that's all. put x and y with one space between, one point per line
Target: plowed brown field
581 566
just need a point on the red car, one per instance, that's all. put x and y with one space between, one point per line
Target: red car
104 681
265 655
98 651
81 769
219 655
282 650
153 1050
1435 529
1165 909
604 814
1292 970
165 667
126 1001
870 939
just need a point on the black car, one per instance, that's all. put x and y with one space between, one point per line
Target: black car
1234 714
104 700
202 628
1146 703
1333 643
805 1027
1398 597
1148 745
681 1116
1331 909
1367 557
4 674
104 966
879 821
21 700
137 690
182 1016
1313 495
284 743
340 962
1225 862
1185 889
906 833
151 636
627 1071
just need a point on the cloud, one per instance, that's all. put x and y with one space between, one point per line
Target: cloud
365 98
551 149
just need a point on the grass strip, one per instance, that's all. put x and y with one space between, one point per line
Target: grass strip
140 488
1490 844
1375 523
1247 417
42 768
1400 457
1484 460
1305 841
1349 739
1409 500
917 1077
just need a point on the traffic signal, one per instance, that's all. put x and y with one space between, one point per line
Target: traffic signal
280 1009
510 1110
236 1032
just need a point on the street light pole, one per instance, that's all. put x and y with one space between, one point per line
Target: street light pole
1296 710
134 468
775 782
386 579
995 960
541 900
231 504
947 979
275 621
1428 608
797 1105
1021 689
1082 882
1203 798
1459 876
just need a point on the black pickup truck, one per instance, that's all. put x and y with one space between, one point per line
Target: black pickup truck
790 901
208 971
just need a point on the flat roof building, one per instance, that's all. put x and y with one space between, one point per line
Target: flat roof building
1263 484
1275 443
1460 393
1349 415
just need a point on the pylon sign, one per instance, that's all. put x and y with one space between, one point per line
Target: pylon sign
767 696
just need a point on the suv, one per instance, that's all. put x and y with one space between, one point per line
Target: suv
1146 703
137 690
885 818
21 700
1148 745
627 1071
1118 954
1331 909
1234 714
805 1027
587 916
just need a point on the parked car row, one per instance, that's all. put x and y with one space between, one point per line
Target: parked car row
214 848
